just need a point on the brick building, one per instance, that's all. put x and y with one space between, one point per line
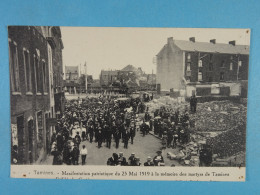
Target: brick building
202 68
107 77
75 80
31 91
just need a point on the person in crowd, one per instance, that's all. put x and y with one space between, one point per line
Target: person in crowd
132 133
149 162
99 138
57 159
83 153
193 103
75 155
14 155
113 161
205 156
132 160
91 132
83 135
164 140
53 137
122 159
144 128
169 137
67 153
126 138
108 137
158 158
77 139
59 142
137 162
117 137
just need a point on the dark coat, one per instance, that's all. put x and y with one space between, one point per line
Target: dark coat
112 162
148 164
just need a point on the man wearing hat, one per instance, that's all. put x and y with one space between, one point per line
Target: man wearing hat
137 162
99 137
158 158
149 162
117 136
122 159
126 138
113 161
132 160
132 133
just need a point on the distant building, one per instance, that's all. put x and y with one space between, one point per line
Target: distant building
74 80
94 86
151 79
107 77
72 73
202 68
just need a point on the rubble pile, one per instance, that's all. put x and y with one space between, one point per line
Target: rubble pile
230 142
218 116
173 103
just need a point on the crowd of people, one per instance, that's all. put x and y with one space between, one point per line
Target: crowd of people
104 119
120 160
107 119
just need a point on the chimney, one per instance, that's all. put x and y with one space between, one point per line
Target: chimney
170 40
232 43
213 41
192 39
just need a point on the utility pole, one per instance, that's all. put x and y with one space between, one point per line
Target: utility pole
86 76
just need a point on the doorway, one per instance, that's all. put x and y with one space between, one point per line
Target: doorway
30 136
21 143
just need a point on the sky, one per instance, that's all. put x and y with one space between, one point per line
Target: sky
105 48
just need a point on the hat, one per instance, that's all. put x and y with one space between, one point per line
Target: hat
149 158
120 152
137 158
133 154
159 152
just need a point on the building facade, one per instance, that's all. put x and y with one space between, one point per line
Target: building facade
202 68
107 77
75 80
31 94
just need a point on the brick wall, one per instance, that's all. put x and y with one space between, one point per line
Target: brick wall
213 65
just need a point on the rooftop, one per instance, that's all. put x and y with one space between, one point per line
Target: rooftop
71 69
211 47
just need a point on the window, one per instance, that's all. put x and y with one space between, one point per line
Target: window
222 76
200 63
200 76
27 68
40 127
222 65
210 66
188 56
210 57
231 66
44 76
210 79
37 73
239 63
67 76
188 66
14 67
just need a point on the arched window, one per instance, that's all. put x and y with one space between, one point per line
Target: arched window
231 66
200 63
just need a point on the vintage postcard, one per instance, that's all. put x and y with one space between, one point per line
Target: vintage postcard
128 103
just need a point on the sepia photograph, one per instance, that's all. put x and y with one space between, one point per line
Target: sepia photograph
113 96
